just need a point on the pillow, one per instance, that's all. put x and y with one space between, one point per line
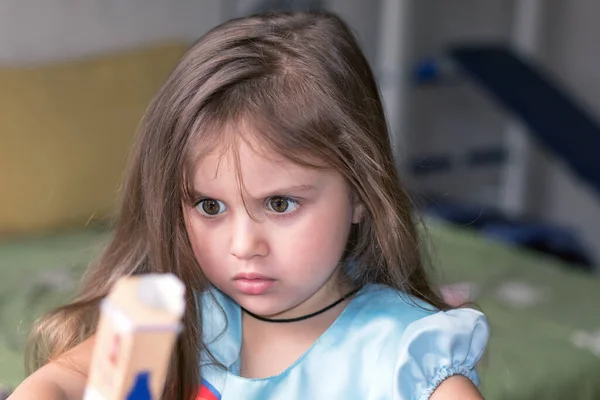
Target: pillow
65 132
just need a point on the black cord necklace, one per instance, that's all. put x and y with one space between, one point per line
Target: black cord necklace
286 320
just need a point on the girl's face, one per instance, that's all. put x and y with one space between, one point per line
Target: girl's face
275 250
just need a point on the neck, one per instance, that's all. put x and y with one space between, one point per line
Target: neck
305 316
269 348
260 335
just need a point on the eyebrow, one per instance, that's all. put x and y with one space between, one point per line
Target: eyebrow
285 191
289 190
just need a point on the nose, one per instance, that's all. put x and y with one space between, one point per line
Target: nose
247 239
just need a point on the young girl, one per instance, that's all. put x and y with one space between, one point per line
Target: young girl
263 177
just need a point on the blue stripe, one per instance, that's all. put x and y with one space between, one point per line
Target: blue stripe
211 388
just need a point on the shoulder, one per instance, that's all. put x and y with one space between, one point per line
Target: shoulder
41 385
390 305
63 379
427 346
408 313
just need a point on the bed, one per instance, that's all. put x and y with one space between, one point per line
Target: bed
545 340
545 323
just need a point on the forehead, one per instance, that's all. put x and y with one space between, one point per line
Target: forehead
243 157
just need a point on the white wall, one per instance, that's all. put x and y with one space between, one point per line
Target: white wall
572 54
455 117
41 30
362 16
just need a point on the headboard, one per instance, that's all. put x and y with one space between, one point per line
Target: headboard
76 76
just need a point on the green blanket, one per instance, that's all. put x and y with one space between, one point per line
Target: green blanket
37 275
545 317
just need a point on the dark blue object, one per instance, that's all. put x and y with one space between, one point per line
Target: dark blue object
427 71
463 214
557 241
553 116
431 164
141 387
486 157
530 234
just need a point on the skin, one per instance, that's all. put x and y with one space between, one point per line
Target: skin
63 379
456 388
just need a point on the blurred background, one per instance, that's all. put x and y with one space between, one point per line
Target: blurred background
493 106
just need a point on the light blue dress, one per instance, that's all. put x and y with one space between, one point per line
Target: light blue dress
384 345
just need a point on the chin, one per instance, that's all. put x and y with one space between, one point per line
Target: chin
265 306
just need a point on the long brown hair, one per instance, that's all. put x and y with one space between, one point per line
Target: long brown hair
303 83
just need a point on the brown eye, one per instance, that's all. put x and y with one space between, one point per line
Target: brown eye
280 204
211 207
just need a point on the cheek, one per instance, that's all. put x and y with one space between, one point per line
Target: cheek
320 242
203 245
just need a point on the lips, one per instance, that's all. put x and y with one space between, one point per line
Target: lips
253 284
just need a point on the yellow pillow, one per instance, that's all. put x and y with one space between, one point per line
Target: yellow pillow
65 133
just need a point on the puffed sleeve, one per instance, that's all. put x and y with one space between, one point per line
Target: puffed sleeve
437 347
